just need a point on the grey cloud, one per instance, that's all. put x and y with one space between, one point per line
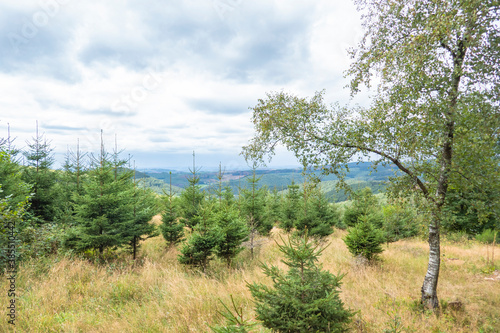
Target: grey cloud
48 104
109 113
262 46
136 57
216 106
169 33
63 128
231 130
37 50
159 139
165 129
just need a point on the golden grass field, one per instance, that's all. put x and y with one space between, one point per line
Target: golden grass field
157 294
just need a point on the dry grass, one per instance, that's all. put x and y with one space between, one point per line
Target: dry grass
159 295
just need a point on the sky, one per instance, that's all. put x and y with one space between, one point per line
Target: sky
165 78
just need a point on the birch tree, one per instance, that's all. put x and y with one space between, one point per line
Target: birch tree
437 70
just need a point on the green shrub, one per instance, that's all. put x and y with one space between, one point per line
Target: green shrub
457 237
364 203
40 241
487 236
172 230
399 222
364 240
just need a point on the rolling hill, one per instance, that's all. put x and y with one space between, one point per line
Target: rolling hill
360 175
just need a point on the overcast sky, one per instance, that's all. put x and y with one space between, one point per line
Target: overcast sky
167 77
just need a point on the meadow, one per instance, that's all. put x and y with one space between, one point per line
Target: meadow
65 293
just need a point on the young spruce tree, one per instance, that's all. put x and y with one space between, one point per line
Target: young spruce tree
192 199
233 232
70 181
14 200
317 217
364 205
201 246
171 229
304 299
104 208
252 207
38 174
144 207
290 210
272 214
365 240
233 228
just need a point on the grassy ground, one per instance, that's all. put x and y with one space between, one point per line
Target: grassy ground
159 295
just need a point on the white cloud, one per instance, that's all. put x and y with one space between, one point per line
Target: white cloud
169 77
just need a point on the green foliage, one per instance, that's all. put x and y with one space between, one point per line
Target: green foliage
471 211
201 246
364 240
351 216
488 236
325 211
31 239
317 216
459 237
272 213
234 232
12 185
69 181
171 229
38 174
104 209
221 231
364 204
252 206
11 221
14 201
191 200
304 299
400 221
138 228
235 323
290 208
37 241
228 196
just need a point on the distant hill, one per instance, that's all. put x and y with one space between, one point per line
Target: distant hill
157 185
333 195
360 176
